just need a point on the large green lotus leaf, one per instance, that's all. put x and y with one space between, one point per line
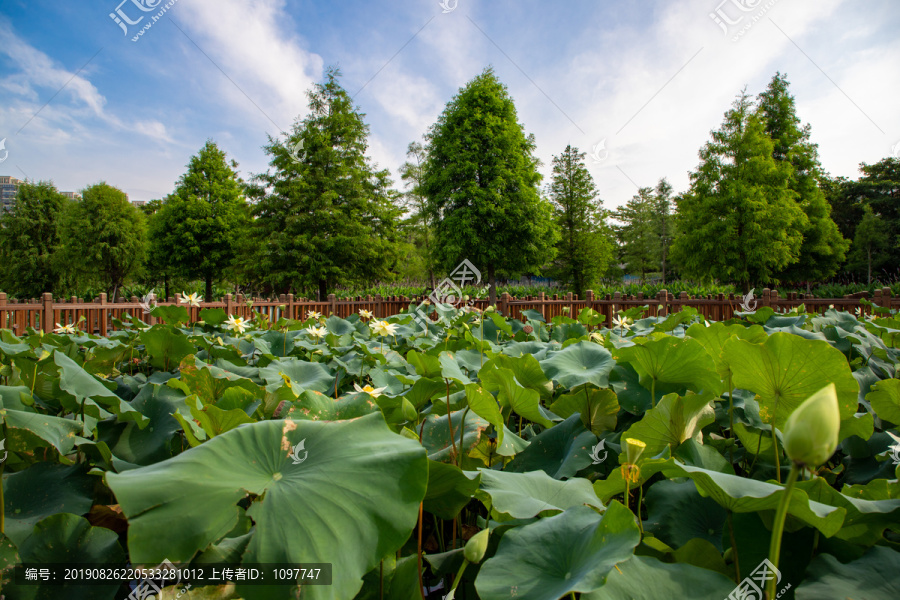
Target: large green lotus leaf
170 313
676 514
339 326
866 520
70 539
392 580
436 434
560 451
715 335
571 552
684 362
525 495
672 421
152 443
614 484
885 400
357 480
449 490
582 362
216 421
450 369
425 365
166 346
523 401
786 369
84 387
213 316
646 578
304 375
423 390
27 431
872 577
527 370
740 494
631 395
598 408
41 490
209 383
485 406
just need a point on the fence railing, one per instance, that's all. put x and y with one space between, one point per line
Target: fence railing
46 312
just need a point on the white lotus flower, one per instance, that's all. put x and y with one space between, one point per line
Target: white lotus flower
192 299
313 315
316 332
384 328
365 314
238 325
368 389
622 322
68 329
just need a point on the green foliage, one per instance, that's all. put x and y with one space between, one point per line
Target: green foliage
584 249
29 239
196 228
481 182
823 249
740 221
259 448
323 215
637 233
103 238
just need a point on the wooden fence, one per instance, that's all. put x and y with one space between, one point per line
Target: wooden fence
45 313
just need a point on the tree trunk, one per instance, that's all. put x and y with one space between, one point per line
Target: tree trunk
869 261
664 266
745 286
493 282
166 284
323 290
209 290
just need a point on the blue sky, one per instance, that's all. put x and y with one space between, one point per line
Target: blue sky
640 83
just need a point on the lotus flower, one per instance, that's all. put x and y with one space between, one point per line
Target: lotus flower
237 324
316 332
313 315
368 389
622 322
384 328
67 329
365 314
192 299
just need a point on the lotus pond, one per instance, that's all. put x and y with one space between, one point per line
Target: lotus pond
482 457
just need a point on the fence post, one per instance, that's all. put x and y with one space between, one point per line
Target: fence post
504 304
333 299
290 306
3 317
229 305
885 297
378 307
47 320
104 316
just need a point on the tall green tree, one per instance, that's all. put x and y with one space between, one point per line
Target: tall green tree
870 243
325 216
481 180
196 230
739 221
824 249
416 223
664 221
584 250
103 238
29 237
637 232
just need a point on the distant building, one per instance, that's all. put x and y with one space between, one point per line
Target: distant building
9 187
71 195
138 203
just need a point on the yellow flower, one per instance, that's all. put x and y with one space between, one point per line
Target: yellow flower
384 328
192 299
368 389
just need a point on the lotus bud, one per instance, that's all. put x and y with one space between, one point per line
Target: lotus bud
633 450
477 546
409 411
490 308
566 309
811 432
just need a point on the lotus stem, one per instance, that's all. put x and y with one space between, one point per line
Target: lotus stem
734 549
419 552
778 526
